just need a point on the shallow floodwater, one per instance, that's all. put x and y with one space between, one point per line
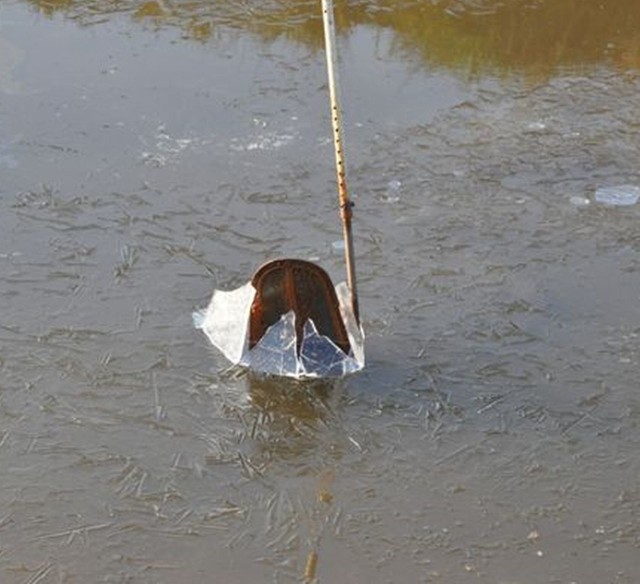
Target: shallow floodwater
153 151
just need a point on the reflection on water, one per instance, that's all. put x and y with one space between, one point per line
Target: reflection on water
292 419
308 400
470 36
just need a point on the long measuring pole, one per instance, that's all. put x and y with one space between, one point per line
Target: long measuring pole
346 211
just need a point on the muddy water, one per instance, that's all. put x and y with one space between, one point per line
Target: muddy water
151 151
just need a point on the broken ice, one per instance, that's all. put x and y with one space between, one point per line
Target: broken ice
226 323
622 195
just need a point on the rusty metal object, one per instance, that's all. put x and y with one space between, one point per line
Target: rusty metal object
289 284
286 285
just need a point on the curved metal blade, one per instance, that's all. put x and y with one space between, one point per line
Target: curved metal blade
300 286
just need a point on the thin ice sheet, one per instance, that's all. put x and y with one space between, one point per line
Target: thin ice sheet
226 323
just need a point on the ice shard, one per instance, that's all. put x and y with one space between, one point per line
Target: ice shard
226 323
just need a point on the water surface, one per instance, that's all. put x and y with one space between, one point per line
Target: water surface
151 151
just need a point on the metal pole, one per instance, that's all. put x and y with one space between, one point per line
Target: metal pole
346 205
